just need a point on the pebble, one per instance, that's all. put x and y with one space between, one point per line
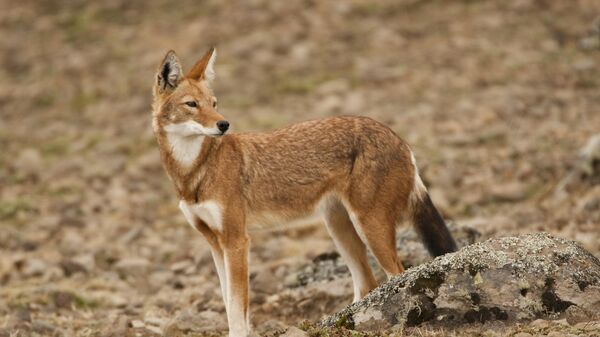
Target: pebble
34 267
181 266
63 299
71 267
118 328
294 332
87 261
23 315
291 281
576 315
28 162
137 324
156 321
133 266
42 327
540 323
155 330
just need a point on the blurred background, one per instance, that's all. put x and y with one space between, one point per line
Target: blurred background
497 99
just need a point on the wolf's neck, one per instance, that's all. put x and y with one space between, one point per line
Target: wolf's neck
185 150
185 160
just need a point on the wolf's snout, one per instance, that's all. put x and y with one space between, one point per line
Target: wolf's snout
223 125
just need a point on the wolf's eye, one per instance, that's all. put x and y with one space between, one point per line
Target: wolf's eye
191 104
214 104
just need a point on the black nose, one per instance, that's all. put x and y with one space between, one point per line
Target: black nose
223 125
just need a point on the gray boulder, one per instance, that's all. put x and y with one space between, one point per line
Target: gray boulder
506 279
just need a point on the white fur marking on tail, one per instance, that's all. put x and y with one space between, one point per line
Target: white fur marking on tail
419 187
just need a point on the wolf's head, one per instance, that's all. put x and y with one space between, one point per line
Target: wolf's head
184 105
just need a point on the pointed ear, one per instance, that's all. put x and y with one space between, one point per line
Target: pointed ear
203 69
169 73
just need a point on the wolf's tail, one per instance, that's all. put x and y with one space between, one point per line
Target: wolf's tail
428 222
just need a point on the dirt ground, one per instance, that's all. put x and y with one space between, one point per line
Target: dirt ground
495 97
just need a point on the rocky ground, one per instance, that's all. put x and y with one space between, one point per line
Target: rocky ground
497 98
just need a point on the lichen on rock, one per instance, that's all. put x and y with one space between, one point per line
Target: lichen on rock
505 279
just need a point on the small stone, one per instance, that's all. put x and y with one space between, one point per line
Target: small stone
115 300
18 320
181 266
137 324
156 321
291 280
562 322
33 267
540 323
63 299
118 328
590 42
584 65
71 267
575 315
87 261
43 327
23 315
28 162
294 332
156 330
132 234
510 192
133 266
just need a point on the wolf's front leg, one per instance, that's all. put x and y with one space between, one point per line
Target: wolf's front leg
219 259
235 251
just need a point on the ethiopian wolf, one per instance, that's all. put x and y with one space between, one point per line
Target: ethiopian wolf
353 172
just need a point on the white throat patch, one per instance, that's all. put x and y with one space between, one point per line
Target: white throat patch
186 139
185 149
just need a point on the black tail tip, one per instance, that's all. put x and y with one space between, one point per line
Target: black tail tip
432 228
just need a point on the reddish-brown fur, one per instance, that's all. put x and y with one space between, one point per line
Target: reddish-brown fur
357 171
